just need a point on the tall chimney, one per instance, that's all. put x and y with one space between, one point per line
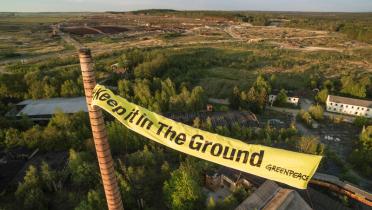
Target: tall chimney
106 164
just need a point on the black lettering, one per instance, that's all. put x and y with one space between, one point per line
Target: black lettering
205 146
162 125
180 139
286 172
196 145
219 151
246 155
140 119
149 123
260 157
133 116
119 110
112 102
232 154
170 131
104 97
130 114
97 94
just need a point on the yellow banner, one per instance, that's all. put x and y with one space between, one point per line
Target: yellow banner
292 168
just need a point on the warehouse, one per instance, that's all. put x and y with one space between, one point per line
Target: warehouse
43 109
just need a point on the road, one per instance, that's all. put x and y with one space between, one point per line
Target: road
67 38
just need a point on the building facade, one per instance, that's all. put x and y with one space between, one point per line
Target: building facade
349 106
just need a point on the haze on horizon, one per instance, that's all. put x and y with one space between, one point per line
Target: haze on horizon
116 5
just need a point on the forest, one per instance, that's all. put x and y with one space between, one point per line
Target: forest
165 81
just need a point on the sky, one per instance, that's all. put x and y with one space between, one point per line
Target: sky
125 5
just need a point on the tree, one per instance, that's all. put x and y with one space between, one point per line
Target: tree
208 124
182 191
305 117
282 98
361 157
366 138
228 202
316 112
196 122
211 203
50 91
117 134
321 96
353 87
36 90
29 193
256 97
69 89
95 200
235 98
124 89
361 121
48 176
310 145
83 173
12 137
328 84
198 98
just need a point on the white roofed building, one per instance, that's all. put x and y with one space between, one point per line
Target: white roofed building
43 109
349 106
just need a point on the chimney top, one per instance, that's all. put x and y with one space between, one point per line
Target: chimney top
84 51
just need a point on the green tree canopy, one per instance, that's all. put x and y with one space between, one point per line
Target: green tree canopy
182 191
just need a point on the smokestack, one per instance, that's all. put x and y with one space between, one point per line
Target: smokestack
106 164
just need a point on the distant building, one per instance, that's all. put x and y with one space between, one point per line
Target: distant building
349 106
226 177
43 109
219 101
118 69
209 108
292 98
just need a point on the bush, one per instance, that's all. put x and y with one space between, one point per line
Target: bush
361 121
316 112
310 145
305 117
321 96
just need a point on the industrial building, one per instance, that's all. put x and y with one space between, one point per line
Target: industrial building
43 109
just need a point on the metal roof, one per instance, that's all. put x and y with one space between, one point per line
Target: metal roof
50 106
350 101
260 197
271 196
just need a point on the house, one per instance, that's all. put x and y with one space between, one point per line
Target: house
292 98
349 106
118 69
226 178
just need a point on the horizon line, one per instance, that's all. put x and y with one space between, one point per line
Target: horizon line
186 10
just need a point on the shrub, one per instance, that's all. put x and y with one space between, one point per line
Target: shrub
316 112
